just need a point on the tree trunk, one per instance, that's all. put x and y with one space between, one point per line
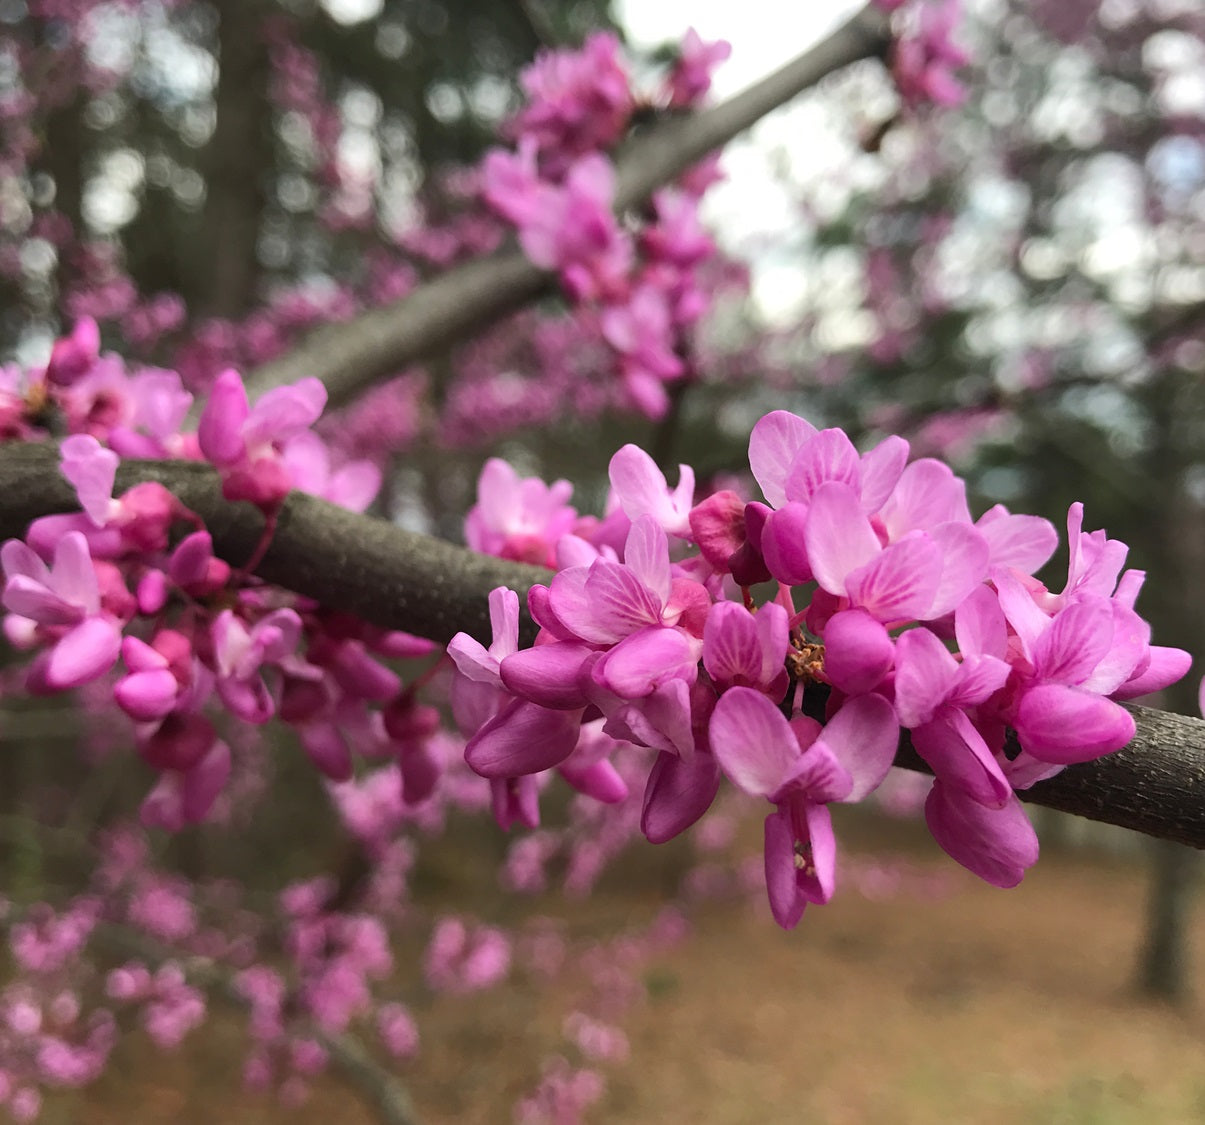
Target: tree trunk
237 160
1163 971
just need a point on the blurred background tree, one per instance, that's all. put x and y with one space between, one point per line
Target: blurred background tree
212 150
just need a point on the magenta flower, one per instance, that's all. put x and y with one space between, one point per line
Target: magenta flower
920 577
996 843
240 653
801 767
246 442
187 796
519 518
65 603
641 489
509 736
691 77
73 356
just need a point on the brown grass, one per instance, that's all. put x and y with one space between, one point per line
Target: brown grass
983 1006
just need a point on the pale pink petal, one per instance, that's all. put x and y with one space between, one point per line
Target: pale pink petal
1023 543
964 555
753 742
86 652
92 469
660 721
979 677
839 537
925 671
773 444
354 486
1023 614
504 621
928 493
739 648
646 555
498 494
818 777
619 604
900 584
29 598
473 661
74 574
642 490
979 624
1076 641
646 659
829 456
284 412
881 469
863 736
1129 651
19 558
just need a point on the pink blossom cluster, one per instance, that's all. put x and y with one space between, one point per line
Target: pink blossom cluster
129 589
891 610
304 970
924 56
49 1036
638 280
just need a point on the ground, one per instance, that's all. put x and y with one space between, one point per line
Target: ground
945 1001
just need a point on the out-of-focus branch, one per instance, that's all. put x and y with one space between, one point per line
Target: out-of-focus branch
468 299
400 580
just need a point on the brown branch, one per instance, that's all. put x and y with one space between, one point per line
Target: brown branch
401 580
470 298
391 577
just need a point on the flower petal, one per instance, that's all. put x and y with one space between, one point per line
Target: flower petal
753 743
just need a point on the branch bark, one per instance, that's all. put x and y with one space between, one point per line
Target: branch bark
400 580
468 299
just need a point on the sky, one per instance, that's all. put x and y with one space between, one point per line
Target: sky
751 208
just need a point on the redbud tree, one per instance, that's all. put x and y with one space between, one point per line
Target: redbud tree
189 560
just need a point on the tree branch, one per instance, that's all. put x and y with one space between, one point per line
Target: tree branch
400 580
470 298
393 578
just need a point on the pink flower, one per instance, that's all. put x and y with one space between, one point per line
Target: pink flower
519 518
65 604
691 77
246 442
801 767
